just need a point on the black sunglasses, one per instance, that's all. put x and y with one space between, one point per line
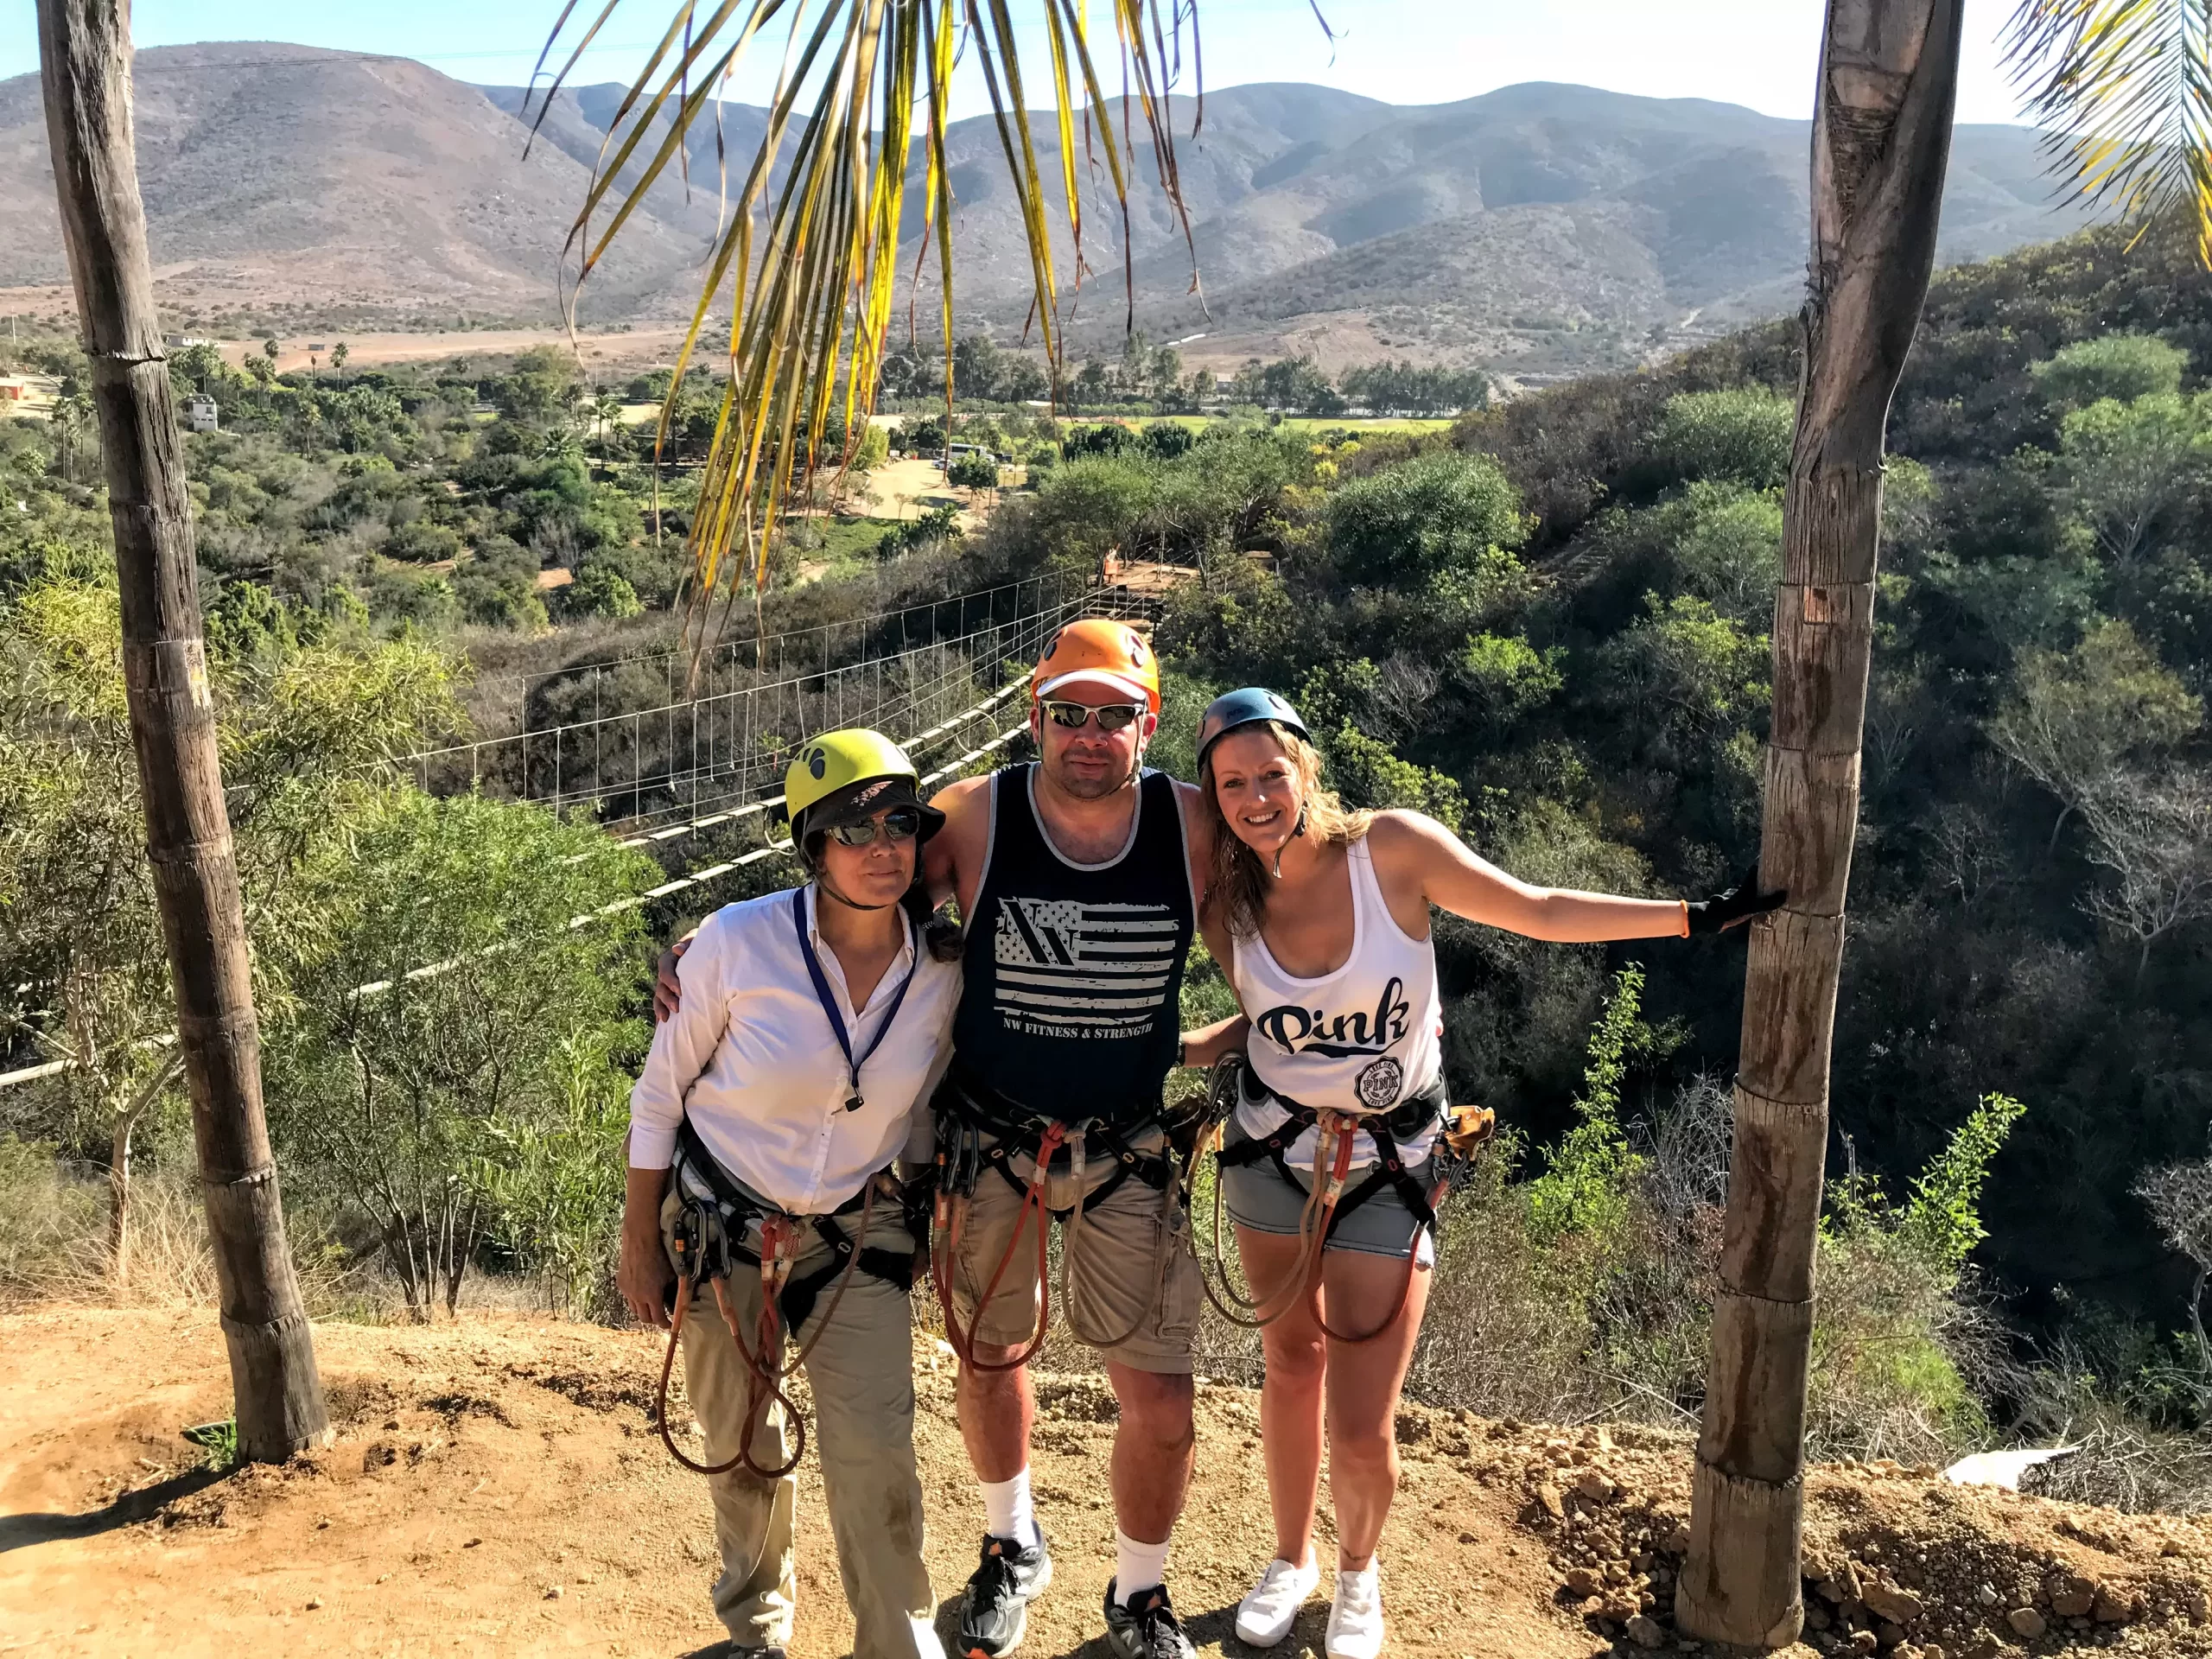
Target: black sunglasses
1075 715
900 824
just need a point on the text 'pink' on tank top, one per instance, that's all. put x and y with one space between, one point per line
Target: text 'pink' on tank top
1360 1039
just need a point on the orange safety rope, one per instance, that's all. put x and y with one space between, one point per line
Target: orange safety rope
779 1248
954 1211
1332 1151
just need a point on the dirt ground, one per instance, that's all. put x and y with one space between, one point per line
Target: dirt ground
495 1486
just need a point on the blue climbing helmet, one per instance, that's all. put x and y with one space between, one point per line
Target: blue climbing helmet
1248 707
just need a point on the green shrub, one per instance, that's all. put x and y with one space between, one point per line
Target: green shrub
600 590
1512 676
1587 1188
1898 1344
1411 524
1367 774
1742 435
2122 366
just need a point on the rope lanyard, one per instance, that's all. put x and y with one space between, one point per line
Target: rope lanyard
829 1000
766 1372
1334 1134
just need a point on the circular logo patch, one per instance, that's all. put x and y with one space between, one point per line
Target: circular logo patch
817 763
1378 1084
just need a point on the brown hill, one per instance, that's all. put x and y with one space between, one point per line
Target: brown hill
495 1485
332 184
1538 226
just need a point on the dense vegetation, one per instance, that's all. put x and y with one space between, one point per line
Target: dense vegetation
1548 627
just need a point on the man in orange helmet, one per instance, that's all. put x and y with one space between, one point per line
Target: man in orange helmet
1081 869
1078 869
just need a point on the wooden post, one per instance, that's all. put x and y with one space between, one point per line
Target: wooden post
84 65
1881 142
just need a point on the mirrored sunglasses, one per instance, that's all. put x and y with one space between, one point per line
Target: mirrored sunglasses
1112 717
900 824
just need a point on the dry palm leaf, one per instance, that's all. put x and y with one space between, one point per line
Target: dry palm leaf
806 254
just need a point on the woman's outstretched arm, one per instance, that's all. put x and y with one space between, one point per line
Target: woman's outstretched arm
1453 877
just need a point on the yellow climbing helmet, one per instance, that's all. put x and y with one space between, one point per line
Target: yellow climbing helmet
836 770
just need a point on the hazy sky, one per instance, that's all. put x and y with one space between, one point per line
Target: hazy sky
1755 52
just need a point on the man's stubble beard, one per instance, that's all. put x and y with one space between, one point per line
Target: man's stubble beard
1084 788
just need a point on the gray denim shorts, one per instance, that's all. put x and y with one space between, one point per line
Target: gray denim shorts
1259 1198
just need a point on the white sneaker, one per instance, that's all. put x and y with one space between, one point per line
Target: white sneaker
1266 1614
1356 1615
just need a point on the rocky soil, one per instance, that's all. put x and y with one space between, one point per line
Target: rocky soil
1897 1560
495 1485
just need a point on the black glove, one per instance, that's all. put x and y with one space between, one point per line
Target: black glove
1732 905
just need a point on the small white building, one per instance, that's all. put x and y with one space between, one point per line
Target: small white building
201 413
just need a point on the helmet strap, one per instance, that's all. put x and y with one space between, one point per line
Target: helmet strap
1296 830
823 882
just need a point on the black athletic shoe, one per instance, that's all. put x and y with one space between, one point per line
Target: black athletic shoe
1145 1626
995 1612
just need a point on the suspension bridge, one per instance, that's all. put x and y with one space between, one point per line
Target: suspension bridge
655 751
941 679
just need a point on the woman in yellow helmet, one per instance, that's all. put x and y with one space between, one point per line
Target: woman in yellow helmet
772 1106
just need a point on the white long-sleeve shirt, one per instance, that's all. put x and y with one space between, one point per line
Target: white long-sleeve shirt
750 1054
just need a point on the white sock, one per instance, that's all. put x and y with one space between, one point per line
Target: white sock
1137 1566
1007 1511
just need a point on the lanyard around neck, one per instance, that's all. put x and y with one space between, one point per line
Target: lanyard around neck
829 1000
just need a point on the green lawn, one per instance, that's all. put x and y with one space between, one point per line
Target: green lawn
1290 422
849 539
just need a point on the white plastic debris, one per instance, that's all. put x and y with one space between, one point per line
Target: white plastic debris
2003 1468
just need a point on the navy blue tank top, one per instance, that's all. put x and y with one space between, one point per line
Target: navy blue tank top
1071 992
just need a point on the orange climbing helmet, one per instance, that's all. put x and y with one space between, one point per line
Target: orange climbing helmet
1101 652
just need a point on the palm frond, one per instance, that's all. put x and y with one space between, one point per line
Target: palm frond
2123 90
806 254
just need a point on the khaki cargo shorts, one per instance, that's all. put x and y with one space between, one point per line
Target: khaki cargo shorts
1130 1275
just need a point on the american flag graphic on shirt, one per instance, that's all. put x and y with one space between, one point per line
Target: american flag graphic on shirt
1066 968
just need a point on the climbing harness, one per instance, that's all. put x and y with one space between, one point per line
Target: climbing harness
1327 1200
706 1242
978 1128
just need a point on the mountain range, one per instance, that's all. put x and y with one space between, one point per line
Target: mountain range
1540 226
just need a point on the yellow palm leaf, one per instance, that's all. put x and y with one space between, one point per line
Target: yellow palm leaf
805 256
2124 90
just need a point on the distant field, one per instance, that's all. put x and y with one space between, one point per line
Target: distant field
1290 424
1377 427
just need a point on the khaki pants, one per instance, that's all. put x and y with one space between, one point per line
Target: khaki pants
1129 1266
862 1378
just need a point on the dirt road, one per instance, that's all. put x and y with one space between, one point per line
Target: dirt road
603 354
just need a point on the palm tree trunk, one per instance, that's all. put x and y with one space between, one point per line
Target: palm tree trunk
84 61
1881 141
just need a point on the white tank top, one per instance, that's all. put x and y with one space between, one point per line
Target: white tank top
1360 1039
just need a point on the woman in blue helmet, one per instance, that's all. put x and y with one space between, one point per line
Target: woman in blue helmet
1321 918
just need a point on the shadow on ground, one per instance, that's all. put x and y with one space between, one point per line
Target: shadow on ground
141 1503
